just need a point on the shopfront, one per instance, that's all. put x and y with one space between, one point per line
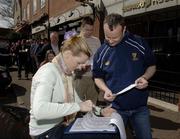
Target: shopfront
39 32
70 20
158 21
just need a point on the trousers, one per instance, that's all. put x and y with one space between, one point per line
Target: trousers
54 133
139 120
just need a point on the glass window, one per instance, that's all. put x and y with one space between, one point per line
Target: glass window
16 5
24 14
28 11
43 3
34 6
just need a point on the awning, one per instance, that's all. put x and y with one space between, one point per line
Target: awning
21 27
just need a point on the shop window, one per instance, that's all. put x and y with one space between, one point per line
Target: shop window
24 14
43 3
28 11
34 6
16 5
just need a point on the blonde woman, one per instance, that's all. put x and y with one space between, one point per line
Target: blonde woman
54 101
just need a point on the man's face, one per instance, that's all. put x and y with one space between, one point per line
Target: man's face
87 30
115 36
54 38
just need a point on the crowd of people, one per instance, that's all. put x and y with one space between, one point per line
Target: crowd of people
30 54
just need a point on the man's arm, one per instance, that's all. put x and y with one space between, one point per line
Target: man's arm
150 71
142 82
102 86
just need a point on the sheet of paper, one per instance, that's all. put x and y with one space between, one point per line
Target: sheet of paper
125 89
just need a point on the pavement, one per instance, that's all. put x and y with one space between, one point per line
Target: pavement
165 123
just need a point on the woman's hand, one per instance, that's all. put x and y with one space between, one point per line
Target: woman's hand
86 106
141 83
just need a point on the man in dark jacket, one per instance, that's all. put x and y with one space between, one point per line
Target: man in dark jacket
23 56
125 59
52 46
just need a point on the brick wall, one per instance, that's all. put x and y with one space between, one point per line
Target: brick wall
58 7
55 8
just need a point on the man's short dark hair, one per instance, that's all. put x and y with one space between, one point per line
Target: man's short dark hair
87 20
113 20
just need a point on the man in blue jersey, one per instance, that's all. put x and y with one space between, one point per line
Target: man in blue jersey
122 60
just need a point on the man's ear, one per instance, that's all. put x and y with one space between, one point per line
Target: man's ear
124 30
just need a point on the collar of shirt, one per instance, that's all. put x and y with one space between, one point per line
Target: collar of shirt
55 48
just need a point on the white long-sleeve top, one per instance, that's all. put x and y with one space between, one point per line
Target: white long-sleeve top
47 100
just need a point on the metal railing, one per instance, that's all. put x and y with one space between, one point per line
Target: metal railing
166 95
165 86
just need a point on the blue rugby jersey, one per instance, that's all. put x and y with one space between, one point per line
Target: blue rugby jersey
120 65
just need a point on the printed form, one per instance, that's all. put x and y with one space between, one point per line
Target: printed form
92 123
125 89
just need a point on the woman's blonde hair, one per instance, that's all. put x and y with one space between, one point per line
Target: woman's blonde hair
76 44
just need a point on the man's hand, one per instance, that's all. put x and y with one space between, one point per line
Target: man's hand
141 83
108 95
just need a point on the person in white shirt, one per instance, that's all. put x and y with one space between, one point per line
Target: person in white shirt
54 101
84 82
54 42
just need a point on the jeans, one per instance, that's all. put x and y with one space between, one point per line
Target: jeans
54 133
139 120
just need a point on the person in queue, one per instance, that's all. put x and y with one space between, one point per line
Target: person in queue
122 60
54 101
49 57
84 82
53 45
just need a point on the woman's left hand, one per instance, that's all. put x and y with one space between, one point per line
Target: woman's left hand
86 106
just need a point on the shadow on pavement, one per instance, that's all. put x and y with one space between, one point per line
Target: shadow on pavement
162 123
8 96
11 93
155 108
18 90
